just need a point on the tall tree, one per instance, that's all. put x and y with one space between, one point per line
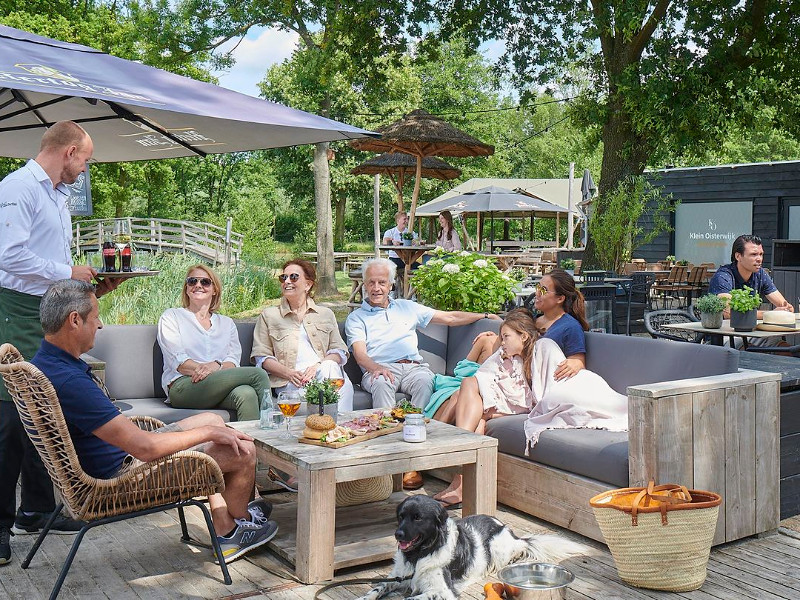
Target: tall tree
344 36
666 74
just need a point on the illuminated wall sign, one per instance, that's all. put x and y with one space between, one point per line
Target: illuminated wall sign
704 231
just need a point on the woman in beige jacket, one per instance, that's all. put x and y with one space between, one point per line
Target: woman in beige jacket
298 340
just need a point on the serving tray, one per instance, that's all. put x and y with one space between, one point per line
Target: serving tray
117 274
355 440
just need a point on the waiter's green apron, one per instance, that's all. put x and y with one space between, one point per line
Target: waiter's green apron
19 325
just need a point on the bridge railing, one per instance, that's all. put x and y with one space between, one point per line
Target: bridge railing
206 240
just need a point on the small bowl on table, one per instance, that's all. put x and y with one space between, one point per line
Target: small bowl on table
535 581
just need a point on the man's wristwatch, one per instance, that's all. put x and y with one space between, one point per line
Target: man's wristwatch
219 362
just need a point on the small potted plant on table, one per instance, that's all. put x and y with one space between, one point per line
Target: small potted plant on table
407 237
568 264
710 308
330 397
744 305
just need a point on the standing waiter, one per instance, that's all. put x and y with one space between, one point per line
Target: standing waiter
35 236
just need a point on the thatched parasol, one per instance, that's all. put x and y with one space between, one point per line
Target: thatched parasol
422 134
397 165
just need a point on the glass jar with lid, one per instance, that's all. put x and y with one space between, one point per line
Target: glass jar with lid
414 428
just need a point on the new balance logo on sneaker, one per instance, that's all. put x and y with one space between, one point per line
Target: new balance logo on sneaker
248 535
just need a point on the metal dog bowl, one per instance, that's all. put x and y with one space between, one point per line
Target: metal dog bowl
535 581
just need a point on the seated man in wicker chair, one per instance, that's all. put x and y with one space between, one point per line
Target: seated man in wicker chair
108 443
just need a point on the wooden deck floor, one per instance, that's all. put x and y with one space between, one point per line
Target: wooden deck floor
144 558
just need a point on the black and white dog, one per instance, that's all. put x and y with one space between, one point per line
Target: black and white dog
437 557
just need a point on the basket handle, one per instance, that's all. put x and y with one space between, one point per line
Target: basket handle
648 494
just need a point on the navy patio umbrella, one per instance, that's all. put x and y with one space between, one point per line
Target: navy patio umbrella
136 112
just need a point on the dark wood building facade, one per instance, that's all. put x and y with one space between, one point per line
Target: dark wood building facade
771 188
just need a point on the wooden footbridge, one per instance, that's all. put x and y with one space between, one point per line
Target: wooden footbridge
219 245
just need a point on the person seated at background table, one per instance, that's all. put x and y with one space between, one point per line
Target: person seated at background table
382 335
394 237
202 352
108 443
299 340
747 255
519 377
448 236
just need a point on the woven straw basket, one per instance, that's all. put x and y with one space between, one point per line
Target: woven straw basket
660 536
360 491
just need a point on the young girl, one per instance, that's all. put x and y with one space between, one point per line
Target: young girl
500 387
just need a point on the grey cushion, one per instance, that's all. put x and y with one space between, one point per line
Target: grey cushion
459 340
593 453
624 360
133 360
155 407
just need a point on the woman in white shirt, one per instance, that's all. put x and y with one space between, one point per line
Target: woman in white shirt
299 340
202 352
448 236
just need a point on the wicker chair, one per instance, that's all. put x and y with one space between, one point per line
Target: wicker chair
169 482
655 320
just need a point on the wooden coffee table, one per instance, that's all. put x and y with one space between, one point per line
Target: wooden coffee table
317 537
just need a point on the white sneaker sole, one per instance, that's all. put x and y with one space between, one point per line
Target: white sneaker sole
18 531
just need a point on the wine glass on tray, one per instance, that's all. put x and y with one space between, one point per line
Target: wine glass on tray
288 402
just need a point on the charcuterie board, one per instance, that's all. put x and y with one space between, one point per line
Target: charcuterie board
359 438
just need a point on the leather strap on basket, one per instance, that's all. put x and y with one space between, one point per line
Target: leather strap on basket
681 496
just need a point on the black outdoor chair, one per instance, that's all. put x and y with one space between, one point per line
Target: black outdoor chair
655 321
632 306
594 277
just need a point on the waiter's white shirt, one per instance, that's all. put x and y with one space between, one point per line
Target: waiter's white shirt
35 231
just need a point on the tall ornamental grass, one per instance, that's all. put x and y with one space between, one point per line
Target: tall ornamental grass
142 300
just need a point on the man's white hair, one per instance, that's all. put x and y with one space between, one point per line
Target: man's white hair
383 263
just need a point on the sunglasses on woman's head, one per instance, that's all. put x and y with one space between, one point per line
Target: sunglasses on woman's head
204 281
291 277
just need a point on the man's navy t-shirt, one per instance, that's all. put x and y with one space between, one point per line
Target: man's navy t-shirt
568 334
728 278
85 408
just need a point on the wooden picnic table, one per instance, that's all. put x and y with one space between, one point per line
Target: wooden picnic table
409 255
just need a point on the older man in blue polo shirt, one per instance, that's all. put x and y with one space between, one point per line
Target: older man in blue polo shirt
108 443
382 335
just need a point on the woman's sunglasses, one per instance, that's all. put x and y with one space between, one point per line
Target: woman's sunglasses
204 281
541 290
293 277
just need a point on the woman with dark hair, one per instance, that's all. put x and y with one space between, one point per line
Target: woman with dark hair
448 236
299 340
202 352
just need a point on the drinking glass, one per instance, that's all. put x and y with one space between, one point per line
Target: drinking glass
288 402
338 382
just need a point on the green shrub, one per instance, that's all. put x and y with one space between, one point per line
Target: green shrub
567 264
144 299
744 299
462 281
710 303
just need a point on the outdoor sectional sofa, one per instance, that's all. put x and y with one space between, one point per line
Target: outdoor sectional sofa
695 419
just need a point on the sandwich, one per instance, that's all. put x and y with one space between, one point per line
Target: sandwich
317 426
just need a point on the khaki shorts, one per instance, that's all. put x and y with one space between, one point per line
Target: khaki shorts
131 462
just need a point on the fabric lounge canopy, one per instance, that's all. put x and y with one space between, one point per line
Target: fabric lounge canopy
136 112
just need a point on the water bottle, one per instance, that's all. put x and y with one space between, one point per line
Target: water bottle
268 420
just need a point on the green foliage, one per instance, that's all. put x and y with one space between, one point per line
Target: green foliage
330 394
144 299
567 264
744 299
682 263
616 225
462 281
670 258
710 303
407 235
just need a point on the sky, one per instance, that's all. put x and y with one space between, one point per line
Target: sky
263 47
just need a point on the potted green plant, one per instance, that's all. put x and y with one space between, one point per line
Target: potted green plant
682 263
744 305
670 258
710 308
568 264
330 397
407 237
